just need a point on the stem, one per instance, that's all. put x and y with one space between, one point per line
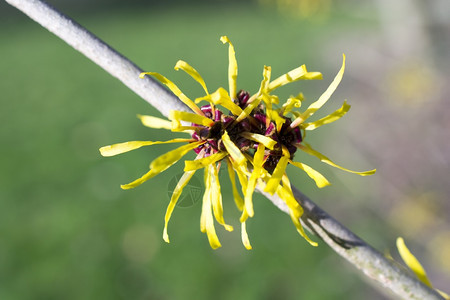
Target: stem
340 239
356 251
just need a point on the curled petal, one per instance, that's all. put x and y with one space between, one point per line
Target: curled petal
116 149
192 72
291 103
154 122
172 86
221 97
232 66
293 75
334 116
318 178
307 148
162 163
184 180
279 121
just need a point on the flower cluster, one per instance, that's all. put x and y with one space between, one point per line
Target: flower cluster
249 133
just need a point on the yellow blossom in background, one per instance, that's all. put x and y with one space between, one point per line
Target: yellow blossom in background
254 136
306 9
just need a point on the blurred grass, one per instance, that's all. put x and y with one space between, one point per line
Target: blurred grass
67 231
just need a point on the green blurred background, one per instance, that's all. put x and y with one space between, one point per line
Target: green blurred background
67 230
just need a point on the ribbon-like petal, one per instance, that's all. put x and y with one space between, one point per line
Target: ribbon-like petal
184 180
221 97
334 116
233 150
232 66
412 262
162 163
326 95
307 148
318 178
216 197
190 165
293 75
154 122
174 88
192 72
206 218
237 198
177 116
259 138
120 148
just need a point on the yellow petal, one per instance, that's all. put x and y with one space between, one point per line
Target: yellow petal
256 99
243 175
178 116
206 194
172 86
232 149
279 121
258 161
292 102
307 148
259 138
274 181
268 101
293 75
178 127
248 109
244 237
221 97
184 180
319 179
192 72
336 115
115 149
267 72
412 262
232 66
162 163
190 165
327 94
206 219
295 210
216 197
154 122
237 198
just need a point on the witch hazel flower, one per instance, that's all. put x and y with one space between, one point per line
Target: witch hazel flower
255 137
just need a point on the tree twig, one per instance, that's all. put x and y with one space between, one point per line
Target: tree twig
339 238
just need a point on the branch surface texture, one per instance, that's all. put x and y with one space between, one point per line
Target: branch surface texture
371 262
